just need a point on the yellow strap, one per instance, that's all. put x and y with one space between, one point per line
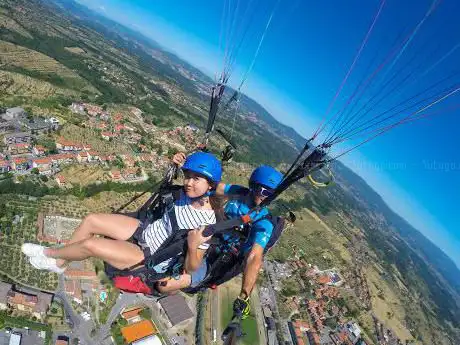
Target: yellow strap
318 184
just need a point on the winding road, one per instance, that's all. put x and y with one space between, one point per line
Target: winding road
80 327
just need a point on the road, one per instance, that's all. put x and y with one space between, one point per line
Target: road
103 336
80 327
215 314
123 301
282 322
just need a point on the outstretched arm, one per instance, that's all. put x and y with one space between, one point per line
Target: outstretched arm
241 306
251 270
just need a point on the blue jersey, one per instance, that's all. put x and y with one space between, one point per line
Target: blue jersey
261 229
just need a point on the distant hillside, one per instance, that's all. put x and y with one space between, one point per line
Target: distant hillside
430 252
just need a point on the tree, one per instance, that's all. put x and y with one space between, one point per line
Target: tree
35 171
146 313
331 322
65 102
172 151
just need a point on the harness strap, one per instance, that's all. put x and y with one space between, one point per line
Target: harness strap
175 240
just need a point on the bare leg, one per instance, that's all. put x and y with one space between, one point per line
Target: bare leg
118 253
116 226
168 285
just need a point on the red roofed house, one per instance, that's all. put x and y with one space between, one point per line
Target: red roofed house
44 165
78 147
64 144
115 175
38 150
93 156
325 279
62 158
137 331
44 162
117 117
4 166
80 274
107 135
108 158
60 180
93 110
130 314
19 164
129 161
119 127
130 174
18 148
82 157
36 303
73 288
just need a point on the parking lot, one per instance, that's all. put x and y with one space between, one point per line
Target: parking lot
28 337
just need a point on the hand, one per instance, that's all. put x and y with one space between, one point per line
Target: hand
241 307
179 158
195 238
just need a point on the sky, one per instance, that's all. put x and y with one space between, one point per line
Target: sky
305 56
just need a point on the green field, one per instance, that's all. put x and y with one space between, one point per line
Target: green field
228 292
14 264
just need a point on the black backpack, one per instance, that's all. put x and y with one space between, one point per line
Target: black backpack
224 266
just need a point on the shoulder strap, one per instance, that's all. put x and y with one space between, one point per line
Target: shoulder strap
278 228
168 200
175 243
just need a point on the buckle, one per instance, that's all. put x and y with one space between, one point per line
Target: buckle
176 271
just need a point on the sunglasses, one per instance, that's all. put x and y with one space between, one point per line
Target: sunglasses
262 191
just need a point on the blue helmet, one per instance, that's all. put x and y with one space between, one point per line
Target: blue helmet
204 164
266 176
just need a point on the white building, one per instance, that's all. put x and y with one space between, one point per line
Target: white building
15 339
78 108
14 113
150 340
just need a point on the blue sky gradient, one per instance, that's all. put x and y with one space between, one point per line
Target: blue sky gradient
306 54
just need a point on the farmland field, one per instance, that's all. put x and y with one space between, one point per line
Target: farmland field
32 63
228 293
12 235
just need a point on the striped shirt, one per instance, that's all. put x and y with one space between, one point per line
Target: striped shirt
187 218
